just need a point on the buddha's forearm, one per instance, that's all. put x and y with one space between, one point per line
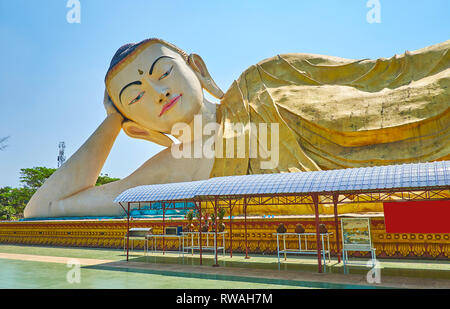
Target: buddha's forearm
82 169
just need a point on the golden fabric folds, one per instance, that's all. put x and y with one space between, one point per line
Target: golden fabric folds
338 113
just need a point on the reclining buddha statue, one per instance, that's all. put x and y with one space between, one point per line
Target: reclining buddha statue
331 113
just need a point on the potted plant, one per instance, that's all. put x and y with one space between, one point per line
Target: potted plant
213 222
281 228
189 217
299 229
323 229
205 225
220 215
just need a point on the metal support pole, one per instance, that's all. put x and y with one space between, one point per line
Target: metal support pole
200 231
231 233
128 228
164 227
245 224
215 230
336 223
315 198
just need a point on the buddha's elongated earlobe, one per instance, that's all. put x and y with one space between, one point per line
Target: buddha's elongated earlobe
198 65
135 130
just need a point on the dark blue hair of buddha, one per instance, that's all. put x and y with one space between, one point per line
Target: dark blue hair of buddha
121 53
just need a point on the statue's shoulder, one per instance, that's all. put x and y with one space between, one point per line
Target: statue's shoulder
287 63
299 61
295 61
311 59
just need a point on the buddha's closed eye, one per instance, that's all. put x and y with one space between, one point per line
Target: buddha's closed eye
166 74
135 100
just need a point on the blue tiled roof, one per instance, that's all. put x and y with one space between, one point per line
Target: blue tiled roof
161 192
406 176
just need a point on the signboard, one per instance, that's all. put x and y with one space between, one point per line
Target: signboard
356 233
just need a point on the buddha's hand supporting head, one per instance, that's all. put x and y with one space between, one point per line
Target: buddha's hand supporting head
155 85
109 106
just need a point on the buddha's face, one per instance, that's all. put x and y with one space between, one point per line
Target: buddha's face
156 88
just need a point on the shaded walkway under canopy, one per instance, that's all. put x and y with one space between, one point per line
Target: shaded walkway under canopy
394 183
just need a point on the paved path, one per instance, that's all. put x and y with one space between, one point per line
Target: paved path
51 259
341 280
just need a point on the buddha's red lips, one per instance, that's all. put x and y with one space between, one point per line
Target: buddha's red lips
170 104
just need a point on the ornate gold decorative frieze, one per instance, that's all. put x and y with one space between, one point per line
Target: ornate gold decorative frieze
110 234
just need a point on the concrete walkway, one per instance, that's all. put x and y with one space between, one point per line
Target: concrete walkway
333 280
51 259
259 269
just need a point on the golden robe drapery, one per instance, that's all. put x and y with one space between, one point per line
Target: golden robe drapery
338 113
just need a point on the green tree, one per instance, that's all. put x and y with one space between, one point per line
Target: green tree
7 213
35 177
20 198
13 201
104 179
4 195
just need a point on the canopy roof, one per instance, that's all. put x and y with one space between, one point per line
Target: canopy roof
176 191
419 176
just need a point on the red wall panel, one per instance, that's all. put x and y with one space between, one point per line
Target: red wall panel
417 217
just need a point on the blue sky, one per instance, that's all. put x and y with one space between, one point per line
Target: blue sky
52 72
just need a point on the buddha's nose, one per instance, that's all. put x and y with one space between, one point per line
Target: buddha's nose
164 96
161 93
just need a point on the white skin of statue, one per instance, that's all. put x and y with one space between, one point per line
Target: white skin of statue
171 94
